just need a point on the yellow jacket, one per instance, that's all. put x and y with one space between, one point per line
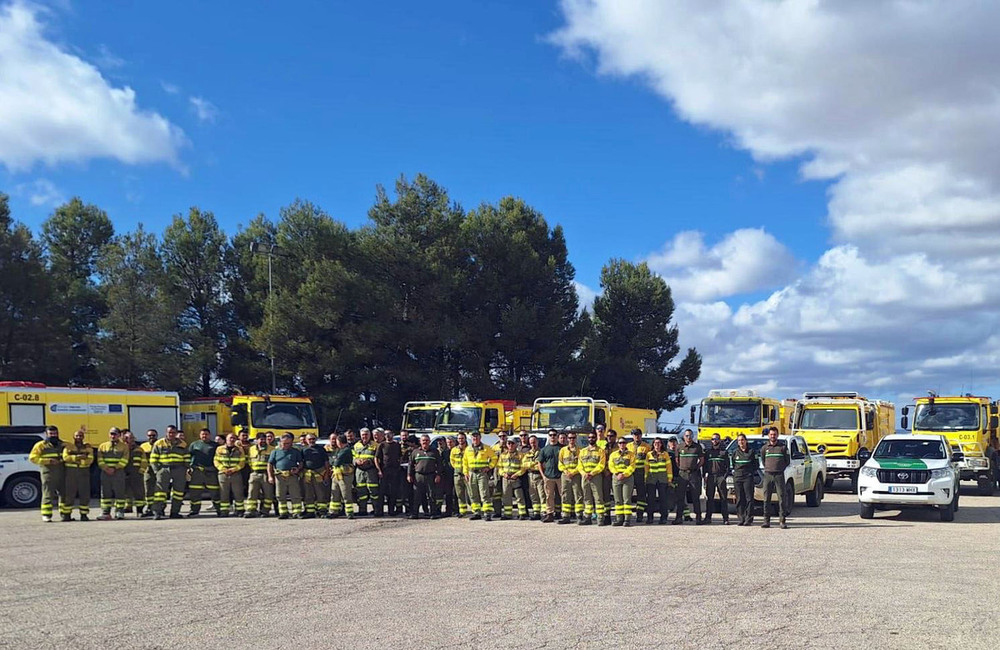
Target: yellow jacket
257 457
641 452
659 468
457 458
46 455
529 461
569 459
591 461
163 454
138 458
510 463
475 461
622 462
80 457
114 455
229 458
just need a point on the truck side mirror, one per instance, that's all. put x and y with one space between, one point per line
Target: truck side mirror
692 414
957 457
904 422
994 421
239 416
864 455
774 414
906 410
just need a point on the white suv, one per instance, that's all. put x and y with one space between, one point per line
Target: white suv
20 480
910 470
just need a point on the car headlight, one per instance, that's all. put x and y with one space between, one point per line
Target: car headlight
870 472
944 472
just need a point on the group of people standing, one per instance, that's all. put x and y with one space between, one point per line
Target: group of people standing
611 481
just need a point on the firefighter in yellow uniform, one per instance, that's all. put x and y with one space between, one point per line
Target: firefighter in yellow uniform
536 484
169 459
47 454
260 493
457 456
591 468
229 460
571 489
477 465
622 465
77 456
641 451
510 470
366 474
112 459
135 493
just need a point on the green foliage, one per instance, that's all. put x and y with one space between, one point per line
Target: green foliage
140 343
633 341
73 238
32 345
425 301
195 252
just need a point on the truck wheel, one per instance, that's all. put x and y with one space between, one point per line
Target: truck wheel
867 511
815 495
789 496
986 485
948 512
854 483
828 482
24 491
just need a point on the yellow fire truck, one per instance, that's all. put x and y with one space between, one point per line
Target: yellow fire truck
488 417
582 414
970 425
845 427
257 413
419 417
732 411
29 404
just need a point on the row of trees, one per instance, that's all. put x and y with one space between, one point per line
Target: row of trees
426 301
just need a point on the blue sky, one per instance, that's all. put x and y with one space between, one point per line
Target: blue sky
818 182
325 100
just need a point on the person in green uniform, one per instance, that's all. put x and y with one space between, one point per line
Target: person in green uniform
424 475
745 466
229 460
283 469
548 467
137 462
776 460
204 478
659 480
169 459
717 469
316 464
690 459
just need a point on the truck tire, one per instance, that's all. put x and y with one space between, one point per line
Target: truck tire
867 511
23 491
828 482
987 487
815 495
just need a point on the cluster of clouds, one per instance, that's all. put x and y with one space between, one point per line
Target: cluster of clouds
58 107
897 106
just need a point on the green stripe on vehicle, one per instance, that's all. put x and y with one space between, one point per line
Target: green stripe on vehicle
902 463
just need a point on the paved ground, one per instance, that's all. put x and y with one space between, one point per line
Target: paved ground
831 581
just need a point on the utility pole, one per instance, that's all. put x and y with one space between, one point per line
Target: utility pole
270 250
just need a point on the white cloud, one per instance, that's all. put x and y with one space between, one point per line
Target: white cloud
56 107
169 88
204 109
40 192
745 261
896 105
586 296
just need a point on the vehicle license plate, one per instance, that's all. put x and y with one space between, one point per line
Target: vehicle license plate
902 489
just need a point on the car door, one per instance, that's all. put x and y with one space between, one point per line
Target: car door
798 463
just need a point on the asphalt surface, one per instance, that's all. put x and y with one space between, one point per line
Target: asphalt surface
830 581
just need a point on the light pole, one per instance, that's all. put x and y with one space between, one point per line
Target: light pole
270 250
